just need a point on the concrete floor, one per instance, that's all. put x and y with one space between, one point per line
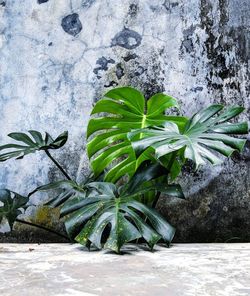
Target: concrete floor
183 269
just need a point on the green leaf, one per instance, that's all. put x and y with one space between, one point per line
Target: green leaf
68 190
37 136
146 172
126 109
62 184
31 145
157 221
204 135
21 137
60 199
147 232
60 140
109 217
69 187
173 190
11 202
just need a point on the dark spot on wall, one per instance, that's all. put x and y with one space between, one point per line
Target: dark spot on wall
234 85
189 169
133 10
71 24
207 24
238 222
187 42
154 8
130 57
3 3
224 17
127 38
111 84
119 71
152 87
140 70
217 48
87 3
50 44
197 88
240 37
42 1
44 87
103 65
169 5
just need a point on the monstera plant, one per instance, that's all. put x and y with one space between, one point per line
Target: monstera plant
136 152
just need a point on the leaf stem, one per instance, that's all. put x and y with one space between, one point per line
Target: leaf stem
58 165
43 227
157 196
32 192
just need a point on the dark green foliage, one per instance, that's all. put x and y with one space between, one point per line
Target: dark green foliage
109 216
127 110
136 153
31 143
207 131
68 189
11 204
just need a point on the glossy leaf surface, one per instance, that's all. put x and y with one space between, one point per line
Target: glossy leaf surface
126 109
109 218
31 143
206 134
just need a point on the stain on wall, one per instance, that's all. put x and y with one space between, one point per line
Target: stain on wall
71 24
127 38
42 1
57 59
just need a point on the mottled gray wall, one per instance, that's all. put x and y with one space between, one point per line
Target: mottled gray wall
58 57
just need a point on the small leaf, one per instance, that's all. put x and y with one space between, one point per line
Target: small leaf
11 204
31 146
21 137
63 184
60 140
37 136
173 190
48 139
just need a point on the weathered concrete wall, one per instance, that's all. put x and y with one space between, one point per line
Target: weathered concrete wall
58 57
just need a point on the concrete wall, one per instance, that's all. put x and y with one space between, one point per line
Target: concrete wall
58 57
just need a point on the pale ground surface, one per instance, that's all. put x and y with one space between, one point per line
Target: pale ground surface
183 269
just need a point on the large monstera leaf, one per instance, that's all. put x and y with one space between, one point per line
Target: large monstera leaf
10 205
126 109
31 143
109 217
206 133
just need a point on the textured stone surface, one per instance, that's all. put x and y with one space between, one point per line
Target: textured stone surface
56 59
182 270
